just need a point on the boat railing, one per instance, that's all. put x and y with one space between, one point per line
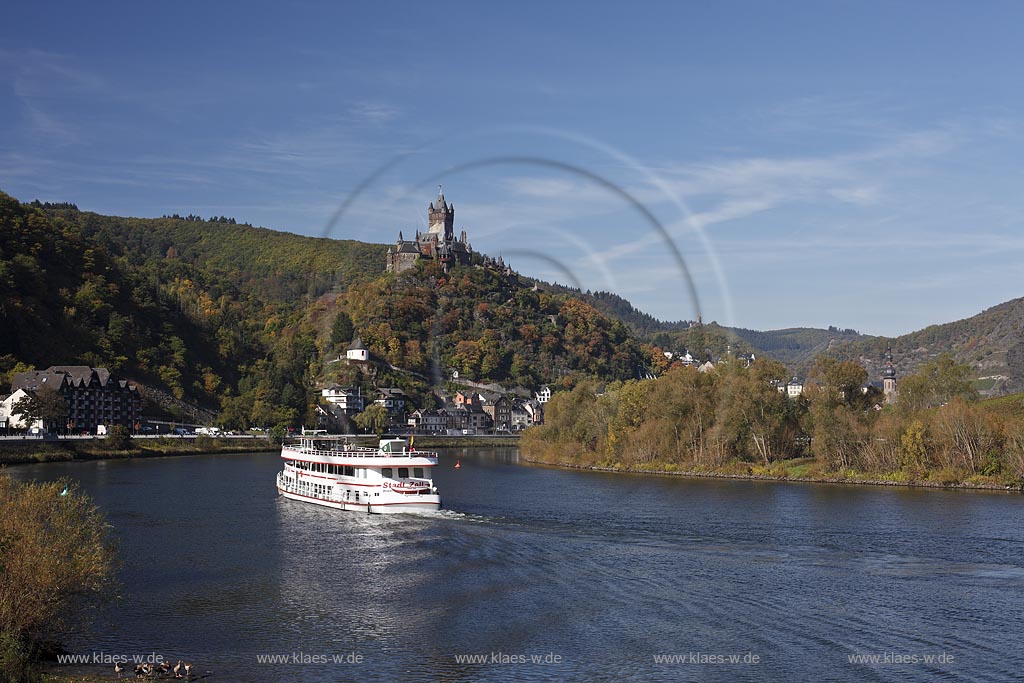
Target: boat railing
360 452
288 485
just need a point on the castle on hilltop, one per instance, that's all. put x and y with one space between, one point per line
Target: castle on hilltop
437 243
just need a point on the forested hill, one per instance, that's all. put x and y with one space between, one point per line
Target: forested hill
202 309
239 319
991 342
276 265
797 347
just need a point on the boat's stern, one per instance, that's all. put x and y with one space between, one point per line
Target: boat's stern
397 503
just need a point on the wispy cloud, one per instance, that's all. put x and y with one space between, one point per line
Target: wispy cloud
45 83
375 113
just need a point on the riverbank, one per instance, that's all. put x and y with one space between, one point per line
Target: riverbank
791 471
36 451
28 451
474 441
54 677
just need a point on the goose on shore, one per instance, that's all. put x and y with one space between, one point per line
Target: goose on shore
188 669
177 669
118 669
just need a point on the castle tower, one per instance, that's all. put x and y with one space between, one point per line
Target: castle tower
441 217
889 378
438 243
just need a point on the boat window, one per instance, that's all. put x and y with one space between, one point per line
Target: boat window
350 471
403 472
417 472
386 472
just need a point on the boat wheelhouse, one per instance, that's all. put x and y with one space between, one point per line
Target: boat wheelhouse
394 477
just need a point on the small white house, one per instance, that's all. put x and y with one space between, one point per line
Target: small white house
357 351
544 395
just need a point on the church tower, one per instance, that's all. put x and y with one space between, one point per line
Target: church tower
441 217
889 378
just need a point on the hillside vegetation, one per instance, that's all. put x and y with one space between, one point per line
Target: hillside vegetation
238 319
732 421
991 343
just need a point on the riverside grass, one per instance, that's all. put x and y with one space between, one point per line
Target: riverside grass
14 452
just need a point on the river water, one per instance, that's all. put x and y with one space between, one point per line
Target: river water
585 576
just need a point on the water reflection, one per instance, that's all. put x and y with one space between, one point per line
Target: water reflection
603 570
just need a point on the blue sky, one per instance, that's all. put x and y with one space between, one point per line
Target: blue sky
839 163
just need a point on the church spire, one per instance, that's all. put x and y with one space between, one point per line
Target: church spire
889 378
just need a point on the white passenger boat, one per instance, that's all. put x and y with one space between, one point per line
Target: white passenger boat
394 477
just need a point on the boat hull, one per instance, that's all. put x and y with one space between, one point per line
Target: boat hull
423 503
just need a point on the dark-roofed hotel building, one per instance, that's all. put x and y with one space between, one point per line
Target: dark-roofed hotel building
92 396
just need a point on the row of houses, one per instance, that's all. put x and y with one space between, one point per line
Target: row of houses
473 412
92 398
478 412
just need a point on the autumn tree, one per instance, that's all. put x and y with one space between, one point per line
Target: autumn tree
373 420
936 383
838 382
56 562
341 330
46 405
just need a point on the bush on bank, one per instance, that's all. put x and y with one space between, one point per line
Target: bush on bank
57 565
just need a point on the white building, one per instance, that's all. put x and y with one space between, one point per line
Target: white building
12 420
792 389
348 400
392 399
357 351
429 421
544 395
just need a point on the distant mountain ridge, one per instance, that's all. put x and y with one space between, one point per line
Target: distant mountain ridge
991 342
